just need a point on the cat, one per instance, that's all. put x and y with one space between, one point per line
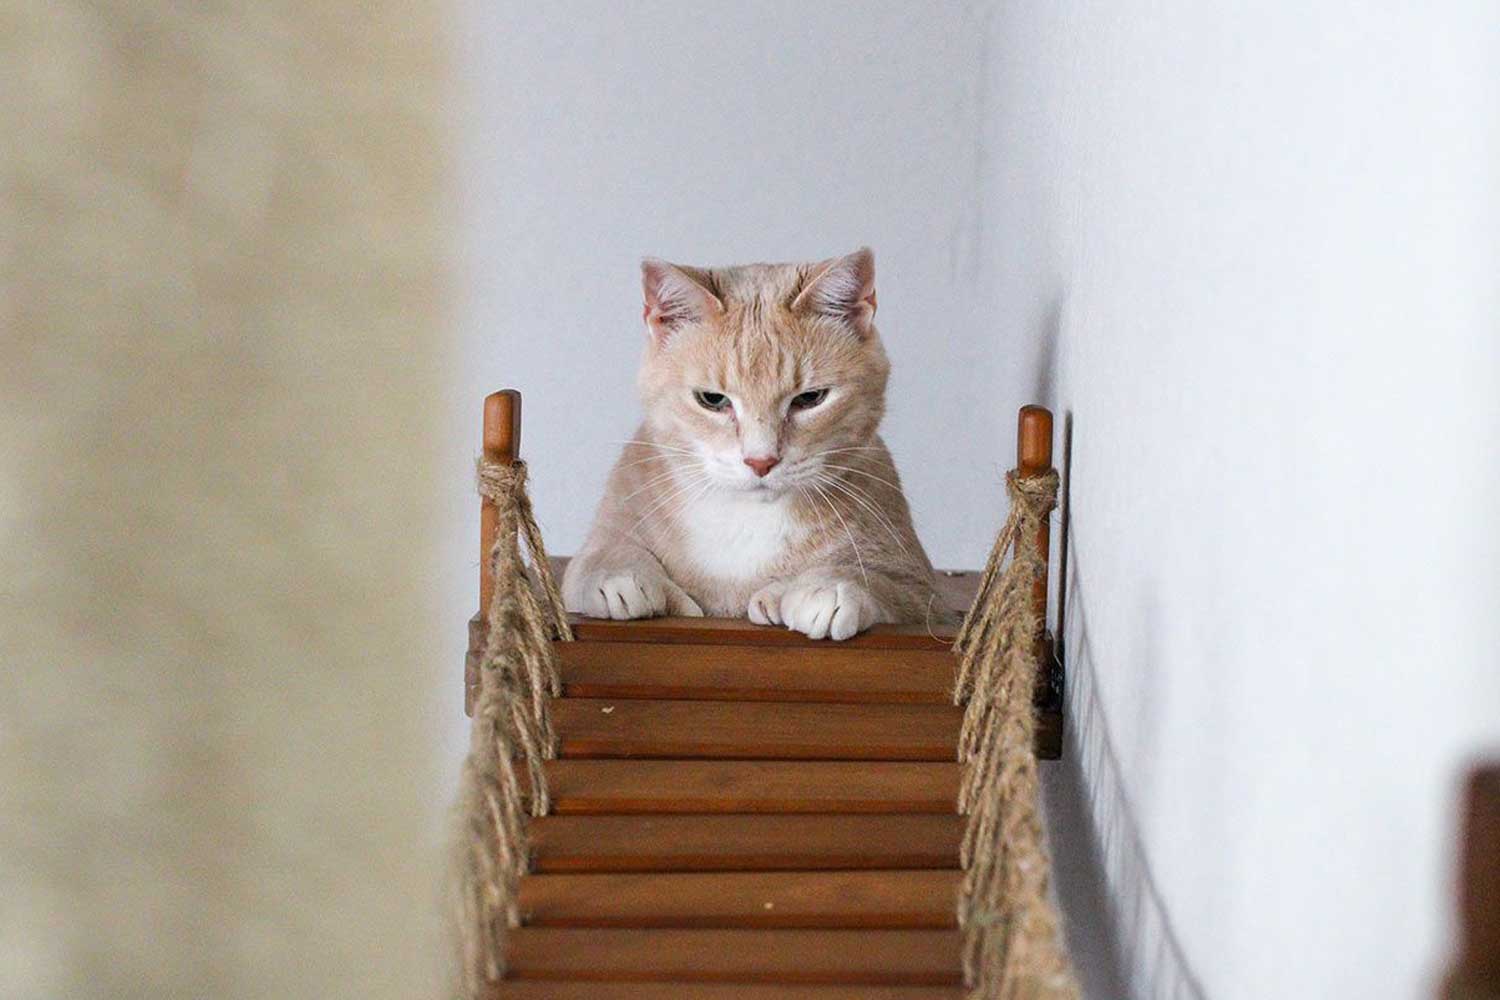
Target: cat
757 485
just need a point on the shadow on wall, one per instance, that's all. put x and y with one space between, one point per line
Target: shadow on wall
1116 925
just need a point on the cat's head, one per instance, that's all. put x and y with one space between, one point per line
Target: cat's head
761 371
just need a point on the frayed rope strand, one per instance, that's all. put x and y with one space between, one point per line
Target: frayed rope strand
512 730
1012 934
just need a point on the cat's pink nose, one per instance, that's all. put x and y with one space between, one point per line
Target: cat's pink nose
762 466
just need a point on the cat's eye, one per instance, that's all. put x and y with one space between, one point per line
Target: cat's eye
807 400
711 400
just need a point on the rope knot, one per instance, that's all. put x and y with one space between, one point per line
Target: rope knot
1038 494
500 482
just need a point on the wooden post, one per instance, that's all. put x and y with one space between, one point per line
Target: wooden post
1034 458
500 442
1476 973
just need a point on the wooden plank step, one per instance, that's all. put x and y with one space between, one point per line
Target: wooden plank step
751 786
850 899
841 957
523 989
831 672
589 727
739 631
743 843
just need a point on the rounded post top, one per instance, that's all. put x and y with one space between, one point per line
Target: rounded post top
502 426
1034 440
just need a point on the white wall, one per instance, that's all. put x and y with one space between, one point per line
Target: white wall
595 133
1257 249
1246 251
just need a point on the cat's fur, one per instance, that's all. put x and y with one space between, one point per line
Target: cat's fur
823 542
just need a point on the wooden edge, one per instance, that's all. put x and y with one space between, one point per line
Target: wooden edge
1476 970
739 631
500 441
1048 692
1034 458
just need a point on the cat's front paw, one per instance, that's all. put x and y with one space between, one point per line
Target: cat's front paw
827 608
628 593
765 604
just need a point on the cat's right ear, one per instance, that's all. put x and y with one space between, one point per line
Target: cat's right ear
674 296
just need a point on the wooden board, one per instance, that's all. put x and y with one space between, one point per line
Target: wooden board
955 587
743 843
759 786
875 958
850 899
543 990
936 636
589 727
756 673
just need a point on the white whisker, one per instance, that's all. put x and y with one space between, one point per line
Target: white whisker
698 480
865 501
658 478
853 544
656 445
822 524
840 451
649 458
683 502
862 472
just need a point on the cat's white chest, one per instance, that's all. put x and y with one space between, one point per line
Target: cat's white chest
738 537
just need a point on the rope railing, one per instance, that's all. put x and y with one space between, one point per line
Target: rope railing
1013 947
1012 940
511 733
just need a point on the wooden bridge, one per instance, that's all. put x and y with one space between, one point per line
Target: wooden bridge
742 813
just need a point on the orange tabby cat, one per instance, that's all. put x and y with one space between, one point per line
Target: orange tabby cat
757 485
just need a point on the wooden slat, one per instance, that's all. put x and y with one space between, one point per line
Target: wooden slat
756 786
876 958
955 587
740 631
743 843
862 899
545 990
588 727
756 673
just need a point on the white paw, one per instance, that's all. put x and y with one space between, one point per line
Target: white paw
824 608
622 594
765 604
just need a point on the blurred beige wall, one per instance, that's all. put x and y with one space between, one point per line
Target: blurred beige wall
220 327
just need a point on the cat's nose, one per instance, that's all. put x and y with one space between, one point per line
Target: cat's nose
762 466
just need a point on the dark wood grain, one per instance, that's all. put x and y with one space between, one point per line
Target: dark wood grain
592 727
545 990
873 958
757 786
743 843
830 673
1476 972
740 631
891 899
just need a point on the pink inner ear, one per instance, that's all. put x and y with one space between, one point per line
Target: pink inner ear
845 287
673 297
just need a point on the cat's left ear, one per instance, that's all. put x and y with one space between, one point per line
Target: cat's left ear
674 297
844 288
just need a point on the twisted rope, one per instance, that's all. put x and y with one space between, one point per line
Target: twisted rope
512 730
1012 942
